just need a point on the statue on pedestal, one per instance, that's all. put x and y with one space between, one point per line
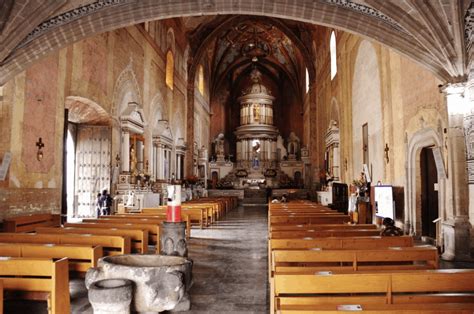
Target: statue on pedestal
219 146
293 146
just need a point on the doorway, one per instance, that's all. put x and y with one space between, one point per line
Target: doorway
429 193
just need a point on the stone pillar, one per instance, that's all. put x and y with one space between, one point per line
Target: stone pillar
125 151
335 162
469 138
274 150
239 150
456 227
249 150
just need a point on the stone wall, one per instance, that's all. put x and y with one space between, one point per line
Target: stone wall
407 93
105 71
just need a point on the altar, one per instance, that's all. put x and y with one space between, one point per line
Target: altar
261 156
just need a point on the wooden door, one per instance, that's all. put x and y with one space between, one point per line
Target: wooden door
429 195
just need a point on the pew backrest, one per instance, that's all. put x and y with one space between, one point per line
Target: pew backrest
38 275
29 223
111 245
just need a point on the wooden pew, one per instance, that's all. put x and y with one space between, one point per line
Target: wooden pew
153 229
38 278
295 227
1 297
160 217
111 245
336 243
313 292
194 214
29 223
138 237
323 233
81 257
340 243
312 261
326 219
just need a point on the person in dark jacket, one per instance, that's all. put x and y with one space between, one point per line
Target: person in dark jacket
105 202
390 229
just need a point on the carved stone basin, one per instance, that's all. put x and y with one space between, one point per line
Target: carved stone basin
160 282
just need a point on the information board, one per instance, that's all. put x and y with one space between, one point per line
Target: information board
383 197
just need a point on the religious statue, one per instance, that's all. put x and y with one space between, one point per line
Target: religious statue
256 112
133 159
293 145
219 145
281 147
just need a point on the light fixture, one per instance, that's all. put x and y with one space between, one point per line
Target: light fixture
39 153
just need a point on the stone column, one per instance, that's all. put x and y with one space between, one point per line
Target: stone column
469 137
335 162
239 150
456 228
250 150
153 161
274 150
125 150
160 162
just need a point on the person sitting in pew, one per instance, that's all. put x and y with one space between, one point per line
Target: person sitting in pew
390 230
284 198
275 200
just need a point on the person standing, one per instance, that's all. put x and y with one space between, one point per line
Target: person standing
105 202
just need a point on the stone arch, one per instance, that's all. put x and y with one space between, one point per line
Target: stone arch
126 90
159 109
402 34
170 40
366 93
86 111
427 137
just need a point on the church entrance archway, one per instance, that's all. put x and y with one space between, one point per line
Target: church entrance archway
429 193
87 162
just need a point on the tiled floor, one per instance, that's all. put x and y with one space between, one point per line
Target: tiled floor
230 268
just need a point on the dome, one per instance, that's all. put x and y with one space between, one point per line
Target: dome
258 88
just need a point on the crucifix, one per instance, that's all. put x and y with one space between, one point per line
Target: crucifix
386 150
39 153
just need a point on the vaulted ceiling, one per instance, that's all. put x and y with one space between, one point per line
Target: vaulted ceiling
435 33
239 42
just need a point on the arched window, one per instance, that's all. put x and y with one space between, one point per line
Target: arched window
169 69
332 48
307 80
201 79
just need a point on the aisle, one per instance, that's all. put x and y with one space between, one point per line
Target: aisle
230 264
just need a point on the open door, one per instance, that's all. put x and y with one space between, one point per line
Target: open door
92 167
429 193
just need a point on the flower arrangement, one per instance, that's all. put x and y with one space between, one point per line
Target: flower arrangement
191 179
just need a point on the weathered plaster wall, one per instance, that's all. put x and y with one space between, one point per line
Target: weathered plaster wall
109 70
409 96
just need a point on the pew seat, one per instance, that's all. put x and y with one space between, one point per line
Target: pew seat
37 279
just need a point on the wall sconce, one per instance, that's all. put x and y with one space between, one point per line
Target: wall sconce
386 150
39 153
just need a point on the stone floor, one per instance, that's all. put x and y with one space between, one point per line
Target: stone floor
230 269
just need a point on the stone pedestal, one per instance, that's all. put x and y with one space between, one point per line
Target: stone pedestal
161 283
111 296
456 234
173 239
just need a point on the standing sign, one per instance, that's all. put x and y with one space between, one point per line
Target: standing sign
383 197
7 158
